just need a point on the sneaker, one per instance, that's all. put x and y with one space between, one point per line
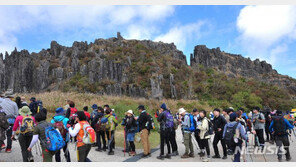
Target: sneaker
132 153
288 159
216 156
3 146
202 154
8 150
224 157
205 160
161 157
111 153
31 159
168 156
185 156
191 155
145 156
98 149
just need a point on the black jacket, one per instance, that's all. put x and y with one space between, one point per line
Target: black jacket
142 120
219 122
162 119
130 124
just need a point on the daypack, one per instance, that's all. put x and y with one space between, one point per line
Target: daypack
3 121
53 139
27 125
89 136
60 126
73 115
104 124
229 135
150 123
169 122
39 106
192 127
279 126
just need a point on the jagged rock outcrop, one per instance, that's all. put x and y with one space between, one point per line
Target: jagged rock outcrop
237 66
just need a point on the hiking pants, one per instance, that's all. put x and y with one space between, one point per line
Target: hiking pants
164 139
101 135
132 146
237 152
1 142
173 141
219 137
110 137
25 143
268 134
47 155
260 134
82 153
197 138
66 154
205 145
280 141
145 141
188 143
8 135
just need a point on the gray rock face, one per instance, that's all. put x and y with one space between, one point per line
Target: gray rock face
236 65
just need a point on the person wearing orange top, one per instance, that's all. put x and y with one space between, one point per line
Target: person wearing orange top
82 149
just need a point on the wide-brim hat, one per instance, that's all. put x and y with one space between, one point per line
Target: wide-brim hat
129 112
181 110
9 94
25 111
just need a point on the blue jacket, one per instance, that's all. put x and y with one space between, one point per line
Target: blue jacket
287 123
65 120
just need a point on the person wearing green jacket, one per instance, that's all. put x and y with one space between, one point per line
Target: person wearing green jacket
110 130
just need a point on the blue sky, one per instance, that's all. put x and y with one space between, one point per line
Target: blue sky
264 32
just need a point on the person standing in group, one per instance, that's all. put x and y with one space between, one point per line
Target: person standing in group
278 127
225 114
166 121
33 106
78 131
130 127
23 100
234 134
196 117
4 125
143 120
267 115
187 124
100 130
110 130
258 121
18 102
219 122
11 110
60 121
85 110
25 123
204 138
71 114
39 133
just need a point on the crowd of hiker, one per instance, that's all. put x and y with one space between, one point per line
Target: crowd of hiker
30 125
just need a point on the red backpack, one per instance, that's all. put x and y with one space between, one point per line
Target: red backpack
62 129
73 111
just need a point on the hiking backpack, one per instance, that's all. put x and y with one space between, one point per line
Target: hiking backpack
34 108
169 122
39 106
27 125
60 126
89 136
53 139
73 115
3 121
104 124
229 135
150 123
279 126
192 123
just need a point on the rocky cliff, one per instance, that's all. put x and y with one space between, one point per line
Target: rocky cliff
135 68
237 66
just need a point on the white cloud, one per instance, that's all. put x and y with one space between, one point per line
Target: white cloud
266 31
138 21
181 35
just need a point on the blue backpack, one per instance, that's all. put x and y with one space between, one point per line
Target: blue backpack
54 140
169 123
192 123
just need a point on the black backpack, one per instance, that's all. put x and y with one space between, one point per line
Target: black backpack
229 134
150 122
279 126
3 121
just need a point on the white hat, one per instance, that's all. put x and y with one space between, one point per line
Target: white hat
182 110
130 112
